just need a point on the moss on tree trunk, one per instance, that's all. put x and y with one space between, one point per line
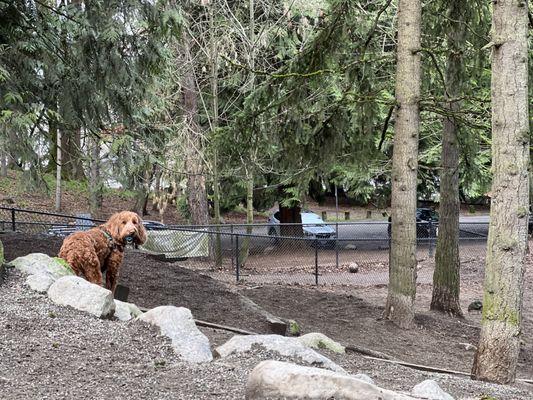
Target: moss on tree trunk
499 346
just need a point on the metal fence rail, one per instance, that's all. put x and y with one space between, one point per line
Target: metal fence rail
343 253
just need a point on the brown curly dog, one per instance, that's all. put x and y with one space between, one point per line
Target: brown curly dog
100 249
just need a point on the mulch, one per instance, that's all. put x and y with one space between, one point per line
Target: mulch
348 315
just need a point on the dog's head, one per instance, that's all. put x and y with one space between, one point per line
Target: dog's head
126 224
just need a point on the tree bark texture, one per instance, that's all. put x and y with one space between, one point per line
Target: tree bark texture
5 156
72 157
59 158
245 249
194 161
95 189
499 346
446 277
214 94
402 259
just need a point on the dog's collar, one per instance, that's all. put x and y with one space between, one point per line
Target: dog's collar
111 242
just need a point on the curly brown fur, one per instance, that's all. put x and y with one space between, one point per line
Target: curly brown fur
91 252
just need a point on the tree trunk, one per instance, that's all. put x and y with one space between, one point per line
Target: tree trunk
194 163
290 219
214 124
499 345
245 249
95 188
5 157
446 277
157 188
72 155
59 158
143 192
402 259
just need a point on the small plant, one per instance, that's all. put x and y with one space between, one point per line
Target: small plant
52 314
183 207
64 264
55 345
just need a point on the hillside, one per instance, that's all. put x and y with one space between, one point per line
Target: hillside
75 199
14 192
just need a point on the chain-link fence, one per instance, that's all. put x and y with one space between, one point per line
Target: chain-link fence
30 221
348 253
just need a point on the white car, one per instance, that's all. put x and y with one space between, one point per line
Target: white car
312 225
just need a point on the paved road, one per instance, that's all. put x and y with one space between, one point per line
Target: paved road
364 234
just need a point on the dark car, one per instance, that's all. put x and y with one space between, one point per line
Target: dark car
427 223
153 225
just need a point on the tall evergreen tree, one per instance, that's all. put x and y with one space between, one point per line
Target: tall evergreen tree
402 260
499 346
446 282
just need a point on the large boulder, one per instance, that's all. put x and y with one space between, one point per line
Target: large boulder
178 324
38 263
429 389
82 295
43 270
285 346
40 282
280 380
364 378
318 340
126 311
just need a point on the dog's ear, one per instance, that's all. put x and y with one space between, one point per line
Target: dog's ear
141 231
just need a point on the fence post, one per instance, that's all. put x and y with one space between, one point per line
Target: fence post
431 237
389 235
13 220
231 243
337 245
237 266
316 261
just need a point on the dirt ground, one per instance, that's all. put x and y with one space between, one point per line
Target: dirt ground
350 315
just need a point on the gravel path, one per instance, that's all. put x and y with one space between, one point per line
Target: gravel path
52 352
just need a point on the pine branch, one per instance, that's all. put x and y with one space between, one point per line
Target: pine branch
278 75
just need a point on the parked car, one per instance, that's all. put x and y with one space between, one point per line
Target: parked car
82 222
63 230
427 223
153 225
312 225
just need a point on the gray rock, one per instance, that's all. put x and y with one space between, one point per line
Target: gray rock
40 282
429 389
353 267
285 346
350 247
318 340
177 323
476 305
38 263
364 378
82 295
280 380
126 311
